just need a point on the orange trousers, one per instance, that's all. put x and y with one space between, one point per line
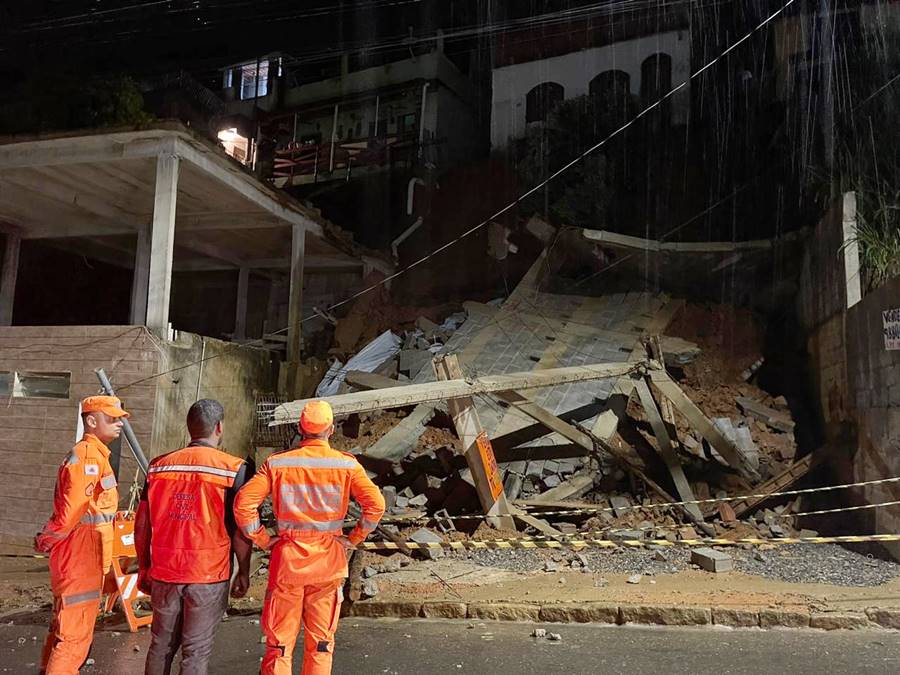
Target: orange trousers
76 577
71 634
318 608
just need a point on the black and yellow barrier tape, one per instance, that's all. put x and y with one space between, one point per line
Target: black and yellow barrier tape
586 542
660 505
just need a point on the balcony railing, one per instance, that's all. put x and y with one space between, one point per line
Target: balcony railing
314 162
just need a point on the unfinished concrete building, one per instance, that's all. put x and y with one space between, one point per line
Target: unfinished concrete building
152 254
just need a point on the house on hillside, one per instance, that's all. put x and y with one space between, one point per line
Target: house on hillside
352 114
614 57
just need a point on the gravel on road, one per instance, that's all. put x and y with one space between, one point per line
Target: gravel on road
796 563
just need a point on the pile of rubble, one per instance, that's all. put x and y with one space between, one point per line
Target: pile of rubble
431 479
669 414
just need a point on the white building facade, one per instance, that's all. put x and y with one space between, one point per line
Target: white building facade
646 67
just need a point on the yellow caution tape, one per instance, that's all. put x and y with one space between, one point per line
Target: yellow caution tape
532 542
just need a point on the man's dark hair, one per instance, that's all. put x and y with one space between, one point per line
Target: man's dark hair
203 417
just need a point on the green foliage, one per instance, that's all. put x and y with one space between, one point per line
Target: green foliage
878 233
583 195
66 100
867 135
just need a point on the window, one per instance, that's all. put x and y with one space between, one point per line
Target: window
407 123
656 82
611 84
254 79
541 100
23 384
235 145
656 78
610 91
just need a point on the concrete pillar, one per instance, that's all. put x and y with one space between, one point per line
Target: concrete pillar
850 250
295 295
10 273
162 242
240 313
422 118
334 122
140 280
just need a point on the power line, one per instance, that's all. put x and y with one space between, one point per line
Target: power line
405 40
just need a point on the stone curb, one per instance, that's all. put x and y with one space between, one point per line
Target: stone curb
659 615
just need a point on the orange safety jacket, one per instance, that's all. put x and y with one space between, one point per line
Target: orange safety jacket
79 534
185 491
311 487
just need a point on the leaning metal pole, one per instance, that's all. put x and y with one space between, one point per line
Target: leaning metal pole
129 432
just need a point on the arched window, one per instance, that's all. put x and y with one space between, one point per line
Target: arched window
611 90
541 100
656 78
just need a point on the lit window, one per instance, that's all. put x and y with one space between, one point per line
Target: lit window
35 385
254 79
235 145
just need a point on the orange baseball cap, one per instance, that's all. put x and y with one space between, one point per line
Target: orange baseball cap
316 417
110 405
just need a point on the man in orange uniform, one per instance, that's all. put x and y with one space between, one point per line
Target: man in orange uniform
184 535
311 486
79 536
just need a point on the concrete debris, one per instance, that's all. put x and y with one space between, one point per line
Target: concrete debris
389 492
551 566
425 536
768 416
369 588
678 352
395 563
621 505
369 572
554 637
741 437
687 532
712 560
748 374
418 500
625 535
539 633
413 360
368 360
635 579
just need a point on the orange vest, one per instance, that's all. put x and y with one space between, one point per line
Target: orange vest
311 486
79 534
186 495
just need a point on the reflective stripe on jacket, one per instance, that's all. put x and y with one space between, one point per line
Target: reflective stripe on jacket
311 487
86 498
190 543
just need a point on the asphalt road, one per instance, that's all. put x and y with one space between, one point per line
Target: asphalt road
437 647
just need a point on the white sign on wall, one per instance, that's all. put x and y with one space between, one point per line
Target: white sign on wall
890 318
